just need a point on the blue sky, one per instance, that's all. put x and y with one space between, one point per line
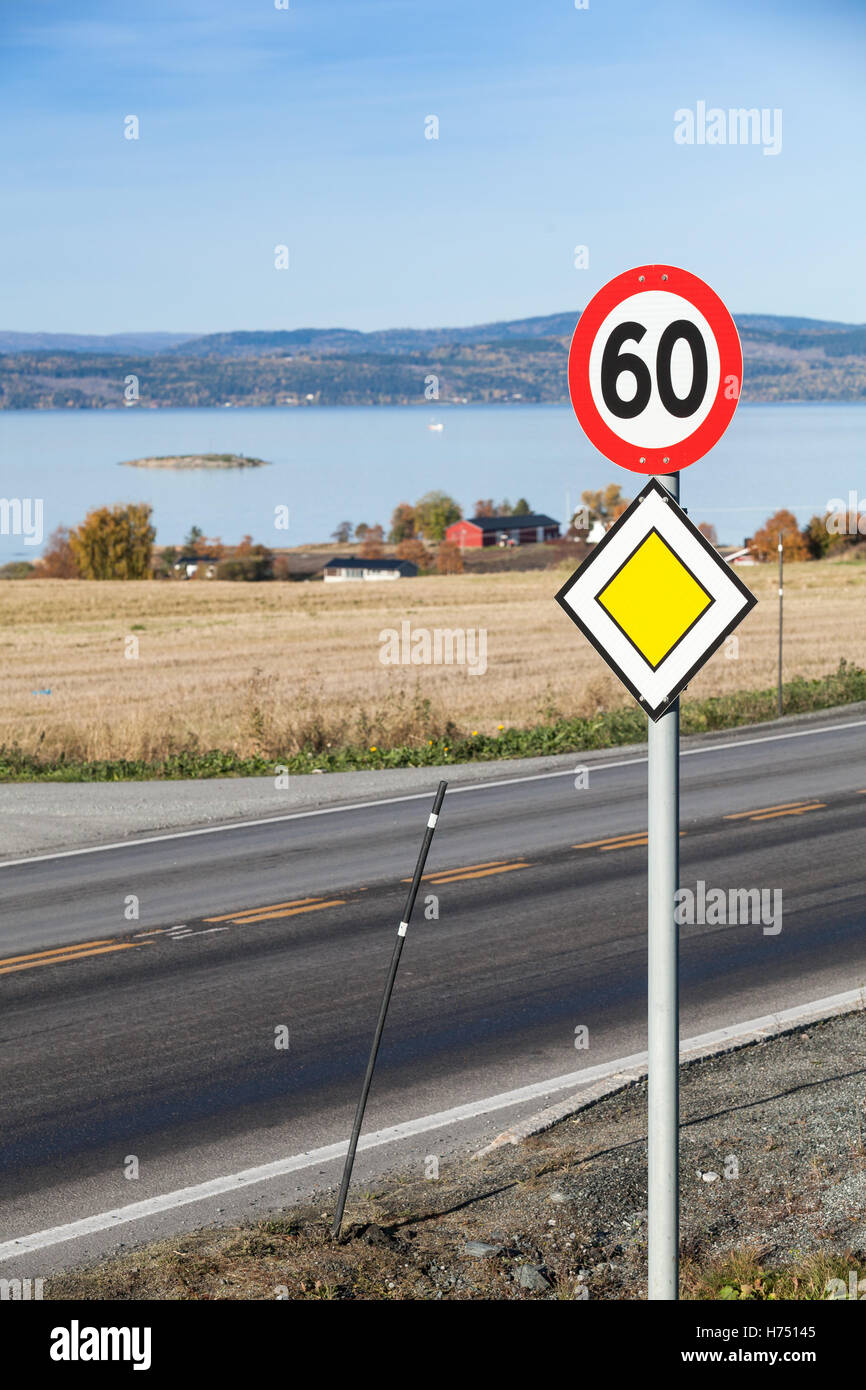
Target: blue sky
305 127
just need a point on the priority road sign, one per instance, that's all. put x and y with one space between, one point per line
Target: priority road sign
655 599
655 369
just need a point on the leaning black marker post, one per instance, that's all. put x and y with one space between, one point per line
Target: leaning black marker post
383 1011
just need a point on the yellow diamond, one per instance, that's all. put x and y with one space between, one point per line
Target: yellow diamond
654 599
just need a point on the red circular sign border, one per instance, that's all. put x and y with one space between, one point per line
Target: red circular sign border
676 456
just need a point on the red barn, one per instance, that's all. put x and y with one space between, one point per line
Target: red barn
503 530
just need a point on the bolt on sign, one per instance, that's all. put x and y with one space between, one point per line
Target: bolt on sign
654 599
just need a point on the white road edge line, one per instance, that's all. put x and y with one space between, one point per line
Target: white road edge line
721 1039
412 796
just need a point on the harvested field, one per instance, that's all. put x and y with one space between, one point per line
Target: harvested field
269 668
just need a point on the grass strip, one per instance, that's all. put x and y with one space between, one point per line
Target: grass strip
608 729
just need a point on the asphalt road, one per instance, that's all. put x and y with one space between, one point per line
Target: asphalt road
154 1038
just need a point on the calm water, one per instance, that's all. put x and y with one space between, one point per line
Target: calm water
356 464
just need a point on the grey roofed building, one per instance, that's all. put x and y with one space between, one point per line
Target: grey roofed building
355 567
514 523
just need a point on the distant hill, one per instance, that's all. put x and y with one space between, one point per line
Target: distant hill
787 358
392 341
90 342
833 338
778 323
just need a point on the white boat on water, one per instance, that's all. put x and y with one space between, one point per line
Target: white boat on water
436 427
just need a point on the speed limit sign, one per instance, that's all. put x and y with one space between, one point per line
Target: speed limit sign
655 369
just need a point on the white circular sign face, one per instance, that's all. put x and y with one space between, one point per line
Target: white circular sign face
681 367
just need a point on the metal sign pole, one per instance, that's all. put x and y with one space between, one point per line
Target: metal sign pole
781 591
663 995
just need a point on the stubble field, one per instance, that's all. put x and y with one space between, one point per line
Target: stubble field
271 668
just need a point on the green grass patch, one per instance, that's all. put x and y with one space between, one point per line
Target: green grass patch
743 1278
609 729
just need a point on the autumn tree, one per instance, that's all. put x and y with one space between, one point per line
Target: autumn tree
579 526
846 527
832 532
484 507
708 531
114 542
167 561
373 549
198 544
416 551
817 537
361 530
248 561
58 561
434 513
283 568
449 559
605 505
402 523
764 545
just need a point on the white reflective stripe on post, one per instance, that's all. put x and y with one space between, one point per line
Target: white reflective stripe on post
663 1019
401 930
431 821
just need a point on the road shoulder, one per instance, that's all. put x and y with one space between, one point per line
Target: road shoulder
48 817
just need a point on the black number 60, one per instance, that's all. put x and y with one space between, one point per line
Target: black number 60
614 363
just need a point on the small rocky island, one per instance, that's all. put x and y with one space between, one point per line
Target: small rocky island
196 461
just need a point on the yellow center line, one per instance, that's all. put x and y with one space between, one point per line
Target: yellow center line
613 839
637 837
56 951
253 911
288 912
773 815
630 844
760 810
460 875
63 960
463 869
